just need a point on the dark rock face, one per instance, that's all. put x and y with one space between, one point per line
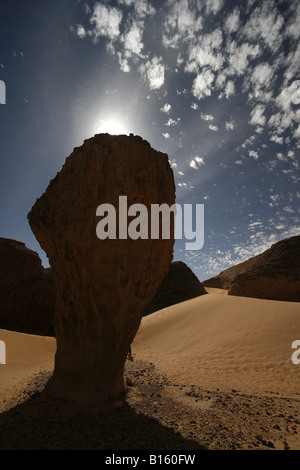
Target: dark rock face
27 299
102 286
273 275
178 285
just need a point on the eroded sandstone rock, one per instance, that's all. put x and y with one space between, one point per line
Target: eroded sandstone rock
102 286
273 274
27 298
178 285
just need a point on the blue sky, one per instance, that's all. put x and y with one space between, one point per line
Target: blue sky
209 82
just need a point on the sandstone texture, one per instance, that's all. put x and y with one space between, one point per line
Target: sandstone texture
102 286
178 285
272 275
27 299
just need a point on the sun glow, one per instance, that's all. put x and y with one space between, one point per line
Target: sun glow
111 126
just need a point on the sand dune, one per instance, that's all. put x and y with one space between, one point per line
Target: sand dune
25 356
225 342
213 341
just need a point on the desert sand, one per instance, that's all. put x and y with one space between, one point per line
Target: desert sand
225 342
25 356
214 372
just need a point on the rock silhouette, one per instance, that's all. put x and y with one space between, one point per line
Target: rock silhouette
27 298
272 275
102 286
178 285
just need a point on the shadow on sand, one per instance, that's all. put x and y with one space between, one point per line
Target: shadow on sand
40 424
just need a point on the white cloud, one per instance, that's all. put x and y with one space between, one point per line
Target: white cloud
213 6
230 125
263 74
229 89
296 133
206 52
106 21
81 32
232 21
253 154
281 157
284 98
292 62
265 23
277 139
182 23
255 225
275 198
202 84
257 115
124 66
172 122
238 56
249 141
221 79
196 162
261 79
142 7
289 209
207 117
166 135
154 71
292 28
213 127
166 108
276 121
286 117
133 39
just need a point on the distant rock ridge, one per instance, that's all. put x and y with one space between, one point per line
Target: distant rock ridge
178 285
27 298
273 274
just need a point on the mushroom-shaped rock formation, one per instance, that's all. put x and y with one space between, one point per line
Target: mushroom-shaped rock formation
102 285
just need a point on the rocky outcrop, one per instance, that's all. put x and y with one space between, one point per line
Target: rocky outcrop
178 285
225 278
273 275
102 285
27 299
266 286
